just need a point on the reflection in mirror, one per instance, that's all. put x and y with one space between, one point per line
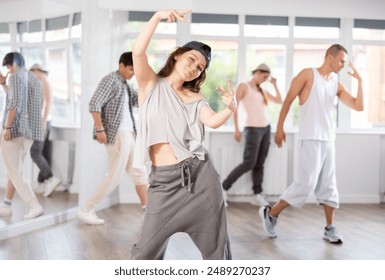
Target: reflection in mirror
54 44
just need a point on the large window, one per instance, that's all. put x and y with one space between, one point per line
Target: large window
288 44
55 43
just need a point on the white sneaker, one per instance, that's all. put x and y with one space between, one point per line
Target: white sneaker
40 188
90 217
225 198
34 212
51 185
259 200
5 210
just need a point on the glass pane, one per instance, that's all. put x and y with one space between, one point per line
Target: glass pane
369 62
30 31
57 65
223 66
308 56
76 79
162 28
76 31
32 56
56 35
275 57
5 37
215 29
368 34
316 32
270 31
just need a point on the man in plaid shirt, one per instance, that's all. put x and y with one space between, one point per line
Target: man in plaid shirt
22 124
112 110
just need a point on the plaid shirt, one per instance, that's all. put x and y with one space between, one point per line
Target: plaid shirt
108 100
25 95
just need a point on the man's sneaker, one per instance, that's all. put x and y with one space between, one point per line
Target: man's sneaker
259 200
332 235
40 188
268 222
89 217
5 210
225 197
52 184
34 212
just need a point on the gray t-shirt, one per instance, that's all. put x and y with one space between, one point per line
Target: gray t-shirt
165 118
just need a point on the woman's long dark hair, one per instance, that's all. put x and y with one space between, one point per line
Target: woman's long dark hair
194 85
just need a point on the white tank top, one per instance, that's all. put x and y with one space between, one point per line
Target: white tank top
256 115
316 121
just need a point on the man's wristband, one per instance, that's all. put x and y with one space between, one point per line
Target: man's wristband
3 83
99 131
8 128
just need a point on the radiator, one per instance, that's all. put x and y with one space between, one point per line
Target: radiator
275 171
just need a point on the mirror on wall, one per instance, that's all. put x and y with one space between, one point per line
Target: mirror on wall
53 43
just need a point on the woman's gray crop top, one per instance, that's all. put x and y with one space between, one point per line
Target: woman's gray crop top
164 118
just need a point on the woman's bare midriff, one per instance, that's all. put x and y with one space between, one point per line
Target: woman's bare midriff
162 154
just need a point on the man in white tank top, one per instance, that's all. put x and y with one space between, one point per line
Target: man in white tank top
316 90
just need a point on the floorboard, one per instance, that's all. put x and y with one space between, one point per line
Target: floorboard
299 236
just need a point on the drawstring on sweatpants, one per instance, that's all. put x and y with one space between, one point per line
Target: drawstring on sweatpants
186 176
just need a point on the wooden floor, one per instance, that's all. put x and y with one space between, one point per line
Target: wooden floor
299 236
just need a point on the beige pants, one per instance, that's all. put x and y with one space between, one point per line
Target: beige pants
14 152
120 158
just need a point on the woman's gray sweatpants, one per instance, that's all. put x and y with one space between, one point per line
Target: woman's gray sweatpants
185 197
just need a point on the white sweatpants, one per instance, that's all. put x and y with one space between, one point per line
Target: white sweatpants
316 173
120 158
